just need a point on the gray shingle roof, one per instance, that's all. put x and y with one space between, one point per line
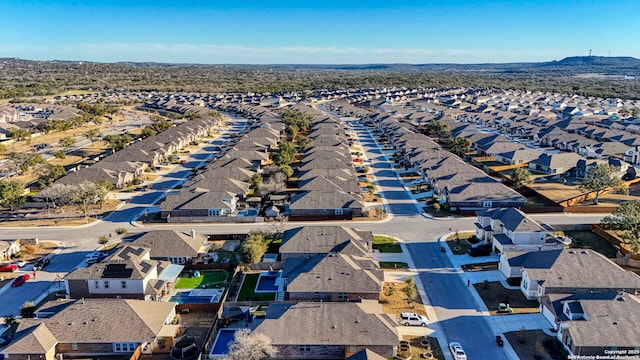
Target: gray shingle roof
93 321
166 243
325 239
333 273
328 324
569 270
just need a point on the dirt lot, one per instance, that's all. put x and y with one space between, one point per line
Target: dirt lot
394 300
536 343
68 216
558 192
493 293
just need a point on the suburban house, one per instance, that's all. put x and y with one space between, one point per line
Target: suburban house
9 248
307 241
555 163
173 246
198 204
328 330
509 229
595 324
94 328
516 157
332 277
576 271
326 204
128 273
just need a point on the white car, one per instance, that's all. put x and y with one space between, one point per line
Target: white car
457 351
413 319
20 263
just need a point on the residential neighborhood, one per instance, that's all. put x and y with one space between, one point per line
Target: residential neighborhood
319 222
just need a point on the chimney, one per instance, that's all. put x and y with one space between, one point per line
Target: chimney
193 233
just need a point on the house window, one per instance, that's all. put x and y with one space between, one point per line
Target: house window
124 347
304 348
106 284
486 204
342 296
214 212
123 284
324 211
339 211
97 284
74 346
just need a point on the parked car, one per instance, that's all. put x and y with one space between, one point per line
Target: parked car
41 263
480 250
20 263
413 319
457 351
8 267
20 280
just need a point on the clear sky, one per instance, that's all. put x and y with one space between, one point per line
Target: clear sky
317 32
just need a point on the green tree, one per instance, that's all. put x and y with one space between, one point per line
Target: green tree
626 218
67 142
304 142
118 142
92 134
521 176
255 181
458 145
253 248
600 178
287 170
11 194
19 135
438 128
48 173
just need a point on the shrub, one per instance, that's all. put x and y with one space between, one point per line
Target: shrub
103 239
27 309
436 206
121 231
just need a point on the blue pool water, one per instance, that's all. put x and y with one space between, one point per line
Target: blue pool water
267 281
223 339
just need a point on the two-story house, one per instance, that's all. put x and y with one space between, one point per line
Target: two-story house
509 229
128 273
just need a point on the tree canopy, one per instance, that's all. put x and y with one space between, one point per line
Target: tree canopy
521 176
626 218
11 194
253 248
600 178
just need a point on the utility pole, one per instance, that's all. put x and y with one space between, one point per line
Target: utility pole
589 52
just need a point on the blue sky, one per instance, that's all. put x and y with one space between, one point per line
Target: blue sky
313 32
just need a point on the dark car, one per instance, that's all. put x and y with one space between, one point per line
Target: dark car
41 263
480 250
20 280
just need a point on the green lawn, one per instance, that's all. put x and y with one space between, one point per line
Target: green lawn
247 290
206 278
591 240
386 244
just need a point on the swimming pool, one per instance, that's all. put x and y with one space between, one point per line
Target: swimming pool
268 281
221 345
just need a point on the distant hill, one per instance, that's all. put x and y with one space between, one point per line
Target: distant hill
601 64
